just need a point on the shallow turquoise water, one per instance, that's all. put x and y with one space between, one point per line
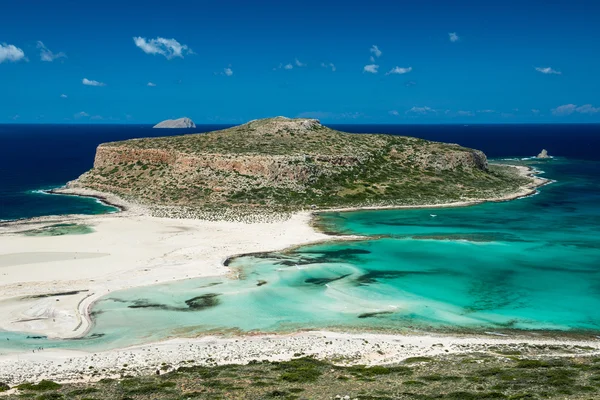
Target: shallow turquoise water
532 263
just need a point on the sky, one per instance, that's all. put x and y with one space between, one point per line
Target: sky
534 61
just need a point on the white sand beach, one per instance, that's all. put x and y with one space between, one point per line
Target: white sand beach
125 250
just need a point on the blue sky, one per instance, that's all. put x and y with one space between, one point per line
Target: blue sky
340 61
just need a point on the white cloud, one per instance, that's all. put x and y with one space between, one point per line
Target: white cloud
46 54
372 59
453 37
329 115
375 50
151 84
169 48
587 109
63 96
465 113
565 109
394 112
328 65
81 114
535 111
399 70
15 117
421 110
372 68
568 109
97 117
410 83
88 82
488 111
547 70
289 66
9 52
228 71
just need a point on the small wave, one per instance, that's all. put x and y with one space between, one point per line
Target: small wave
530 195
535 158
38 191
45 190
495 333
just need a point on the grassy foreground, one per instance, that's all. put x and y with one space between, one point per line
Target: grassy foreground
504 375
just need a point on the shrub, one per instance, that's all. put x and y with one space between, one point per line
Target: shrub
378 370
42 386
304 369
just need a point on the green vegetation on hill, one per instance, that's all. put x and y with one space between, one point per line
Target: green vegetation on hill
284 164
505 375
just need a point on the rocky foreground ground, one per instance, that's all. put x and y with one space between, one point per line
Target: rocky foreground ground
302 369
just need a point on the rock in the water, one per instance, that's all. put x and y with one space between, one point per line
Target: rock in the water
176 123
543 154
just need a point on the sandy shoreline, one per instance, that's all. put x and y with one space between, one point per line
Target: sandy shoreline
162 250
131 249
364 348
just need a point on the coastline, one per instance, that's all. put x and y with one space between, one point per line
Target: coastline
182 243
104 198
347 348
525 191
164 250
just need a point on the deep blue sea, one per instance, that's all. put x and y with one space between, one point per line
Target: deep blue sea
35 157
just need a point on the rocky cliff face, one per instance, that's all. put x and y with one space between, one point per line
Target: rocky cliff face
283 163
271 168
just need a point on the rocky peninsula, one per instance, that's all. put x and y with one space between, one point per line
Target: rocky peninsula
286 165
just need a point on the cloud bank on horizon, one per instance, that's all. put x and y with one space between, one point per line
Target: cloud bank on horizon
515 69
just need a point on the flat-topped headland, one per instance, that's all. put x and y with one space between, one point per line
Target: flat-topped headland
284 165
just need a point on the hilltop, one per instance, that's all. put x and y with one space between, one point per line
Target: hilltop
281 164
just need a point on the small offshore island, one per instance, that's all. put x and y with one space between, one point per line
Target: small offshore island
176 123
189 204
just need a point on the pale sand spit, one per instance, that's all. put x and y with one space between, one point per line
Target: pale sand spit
124 251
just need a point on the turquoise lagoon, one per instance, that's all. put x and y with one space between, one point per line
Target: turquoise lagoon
527 264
